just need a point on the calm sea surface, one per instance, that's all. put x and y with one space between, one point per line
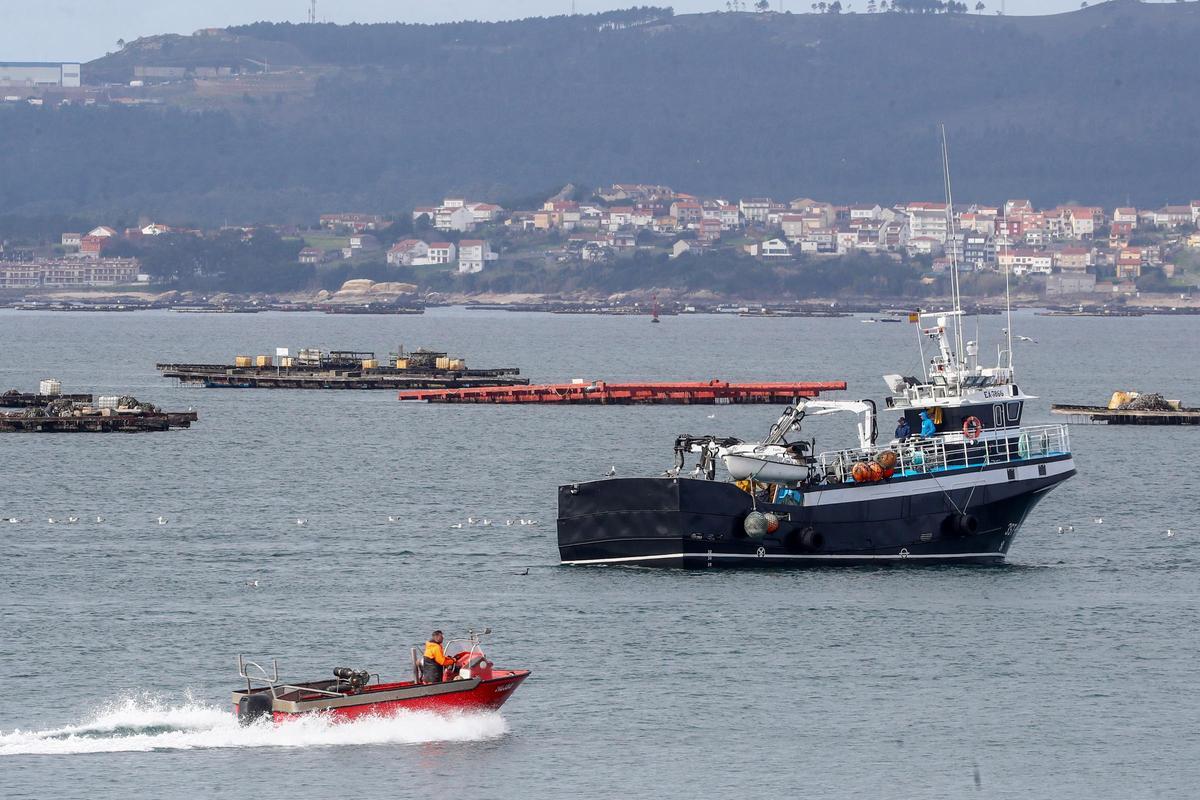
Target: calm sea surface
1069 673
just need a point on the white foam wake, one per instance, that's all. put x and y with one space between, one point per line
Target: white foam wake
144 724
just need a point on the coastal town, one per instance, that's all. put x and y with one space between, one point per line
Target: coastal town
1063 251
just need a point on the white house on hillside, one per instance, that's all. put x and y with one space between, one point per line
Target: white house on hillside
473 253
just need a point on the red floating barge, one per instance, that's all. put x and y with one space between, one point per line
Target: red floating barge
602 393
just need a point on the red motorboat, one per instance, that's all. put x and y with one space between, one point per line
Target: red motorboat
473 683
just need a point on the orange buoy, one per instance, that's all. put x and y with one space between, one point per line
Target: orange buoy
876 471
886 459
861 473
888 472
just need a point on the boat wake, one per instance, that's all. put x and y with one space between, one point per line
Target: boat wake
144 725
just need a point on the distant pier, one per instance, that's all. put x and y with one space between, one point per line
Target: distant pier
714 392
343 369
1116 416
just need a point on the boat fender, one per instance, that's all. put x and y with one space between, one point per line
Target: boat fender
253 707
861 473
811 540
887 460
876 471
964 524
772 522
755 524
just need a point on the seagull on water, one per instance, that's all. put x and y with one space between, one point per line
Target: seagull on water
1066 528
1099 520
252 584
711 416
12 520
301 521
456 525
162 520
72 520
99 518
508 523
470 520
1170 533
611 471
487 523
392 519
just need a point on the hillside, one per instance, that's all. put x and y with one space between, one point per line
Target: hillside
1096 105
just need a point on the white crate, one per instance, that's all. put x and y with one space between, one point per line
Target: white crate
50 387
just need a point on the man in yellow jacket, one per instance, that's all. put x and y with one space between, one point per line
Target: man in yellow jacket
435 662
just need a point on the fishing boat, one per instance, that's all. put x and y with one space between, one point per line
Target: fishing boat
472 683
956 492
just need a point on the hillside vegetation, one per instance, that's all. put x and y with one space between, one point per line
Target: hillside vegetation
1097 106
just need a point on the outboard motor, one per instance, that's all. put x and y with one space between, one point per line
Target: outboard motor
356 678
253 707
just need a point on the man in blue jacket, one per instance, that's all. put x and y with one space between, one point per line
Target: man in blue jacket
928 429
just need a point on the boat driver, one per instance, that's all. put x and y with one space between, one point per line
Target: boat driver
435 663
903 431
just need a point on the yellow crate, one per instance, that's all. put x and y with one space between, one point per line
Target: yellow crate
370 363
243 361
262 361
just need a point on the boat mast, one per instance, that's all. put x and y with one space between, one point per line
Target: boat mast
1007 295
954 283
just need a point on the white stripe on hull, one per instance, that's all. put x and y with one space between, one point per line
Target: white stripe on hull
810 557
935 482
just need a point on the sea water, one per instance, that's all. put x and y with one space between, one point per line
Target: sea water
1067 673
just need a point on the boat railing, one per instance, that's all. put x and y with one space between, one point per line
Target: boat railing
917 456
254 672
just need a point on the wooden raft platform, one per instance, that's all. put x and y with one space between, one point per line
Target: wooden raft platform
223 376
602 393
15 399
1111 416
97 423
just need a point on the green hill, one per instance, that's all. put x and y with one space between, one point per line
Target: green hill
1097 105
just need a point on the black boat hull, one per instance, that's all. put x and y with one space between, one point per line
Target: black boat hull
962 517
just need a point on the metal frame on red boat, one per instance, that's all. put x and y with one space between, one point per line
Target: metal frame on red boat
474 685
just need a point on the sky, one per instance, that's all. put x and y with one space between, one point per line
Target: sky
80 30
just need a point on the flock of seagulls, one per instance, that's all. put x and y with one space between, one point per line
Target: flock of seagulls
484 522
1100 521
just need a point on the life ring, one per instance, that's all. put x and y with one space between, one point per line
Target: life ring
972 427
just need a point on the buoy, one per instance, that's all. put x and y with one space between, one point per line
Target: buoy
972 427
861 473
876 471
772 522
888 472
886 459
755 525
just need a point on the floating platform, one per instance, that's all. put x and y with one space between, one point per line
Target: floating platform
602 393
1119 416
98 423
14 399
215 376
343 369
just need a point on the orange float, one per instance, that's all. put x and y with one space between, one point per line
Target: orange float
876 471
861 473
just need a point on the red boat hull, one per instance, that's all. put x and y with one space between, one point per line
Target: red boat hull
390 698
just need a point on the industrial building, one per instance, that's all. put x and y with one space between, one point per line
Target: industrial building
39 74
